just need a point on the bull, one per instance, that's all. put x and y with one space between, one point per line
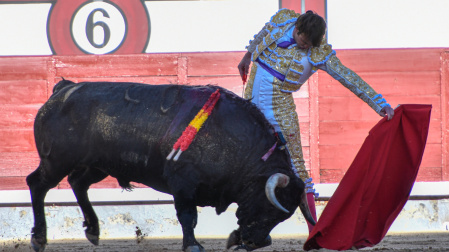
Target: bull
90 130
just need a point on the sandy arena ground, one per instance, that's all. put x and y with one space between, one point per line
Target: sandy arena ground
413 242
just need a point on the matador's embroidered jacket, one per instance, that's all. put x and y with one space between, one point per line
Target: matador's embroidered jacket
297 65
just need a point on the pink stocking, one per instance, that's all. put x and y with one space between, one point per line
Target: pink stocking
311 202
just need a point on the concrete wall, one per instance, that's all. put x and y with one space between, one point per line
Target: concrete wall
122 213
159 221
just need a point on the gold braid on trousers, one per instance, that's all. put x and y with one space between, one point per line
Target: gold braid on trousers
287 118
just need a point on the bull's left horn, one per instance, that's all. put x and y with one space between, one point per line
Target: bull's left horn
274 181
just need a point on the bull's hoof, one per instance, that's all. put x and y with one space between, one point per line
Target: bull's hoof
38 245
233 239
195 248
94 239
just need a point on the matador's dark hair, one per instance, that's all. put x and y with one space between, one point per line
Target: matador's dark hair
313 26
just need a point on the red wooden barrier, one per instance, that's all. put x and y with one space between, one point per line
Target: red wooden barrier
334 122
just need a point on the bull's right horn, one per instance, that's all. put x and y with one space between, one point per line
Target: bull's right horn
274 181
305 210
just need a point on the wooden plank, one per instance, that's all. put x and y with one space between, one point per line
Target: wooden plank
444 113
13 183
425 174
17 140
51 76
19 183
304 129
319 6
232 83
291 4
353 108
303 92
18 116
346 109
213 63
182 70
306 154
116 65
108 182
354 132
303 109
23 68
331 176
347 132
338 157
429 174
313 93
432 156
434 136
391 60
20 92
388 84
341 157
16 164
156 80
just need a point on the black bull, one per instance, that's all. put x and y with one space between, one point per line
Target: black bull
87 131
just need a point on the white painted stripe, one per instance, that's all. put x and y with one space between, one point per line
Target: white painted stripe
419 190
65 196
149 196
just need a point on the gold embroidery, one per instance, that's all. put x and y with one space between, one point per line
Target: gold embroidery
285 114
249 85
354 83
286 61
284 15
319 54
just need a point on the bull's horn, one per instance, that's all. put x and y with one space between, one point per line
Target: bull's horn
274 181
305 210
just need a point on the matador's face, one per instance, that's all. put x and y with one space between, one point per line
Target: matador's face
301 40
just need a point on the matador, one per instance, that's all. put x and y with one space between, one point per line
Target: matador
285 53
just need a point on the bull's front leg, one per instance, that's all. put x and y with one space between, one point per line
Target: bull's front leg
187 215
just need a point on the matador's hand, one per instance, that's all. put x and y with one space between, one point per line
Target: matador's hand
387 111
244 66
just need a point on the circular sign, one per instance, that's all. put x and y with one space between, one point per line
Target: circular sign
98 27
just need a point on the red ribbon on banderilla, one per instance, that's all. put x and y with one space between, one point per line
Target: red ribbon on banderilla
194 126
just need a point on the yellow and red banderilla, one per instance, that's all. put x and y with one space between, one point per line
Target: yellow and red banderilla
194 126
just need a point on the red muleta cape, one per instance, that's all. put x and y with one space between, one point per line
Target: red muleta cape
377 184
